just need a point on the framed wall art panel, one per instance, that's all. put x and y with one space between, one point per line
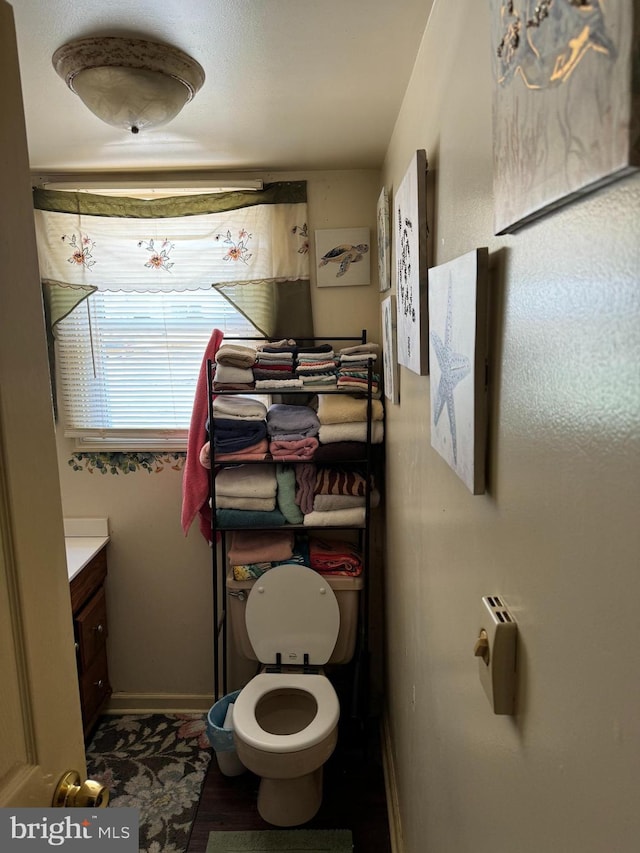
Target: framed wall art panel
389 350
342 257
410 255
566 102
458 353
384 241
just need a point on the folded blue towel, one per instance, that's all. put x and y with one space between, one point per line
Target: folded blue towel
231 434
283 419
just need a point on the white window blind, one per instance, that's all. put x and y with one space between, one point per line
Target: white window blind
128 365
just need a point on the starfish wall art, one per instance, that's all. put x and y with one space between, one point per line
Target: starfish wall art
457 356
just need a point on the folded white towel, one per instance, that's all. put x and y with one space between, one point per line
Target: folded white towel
279 383
236 502
353 517
363 356
330 433
228 374
236 407
360 349
247 481
339 408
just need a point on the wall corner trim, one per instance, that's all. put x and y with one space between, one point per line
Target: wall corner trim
391 788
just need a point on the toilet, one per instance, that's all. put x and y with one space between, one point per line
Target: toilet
286 718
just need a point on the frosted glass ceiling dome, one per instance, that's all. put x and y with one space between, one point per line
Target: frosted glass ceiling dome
129 83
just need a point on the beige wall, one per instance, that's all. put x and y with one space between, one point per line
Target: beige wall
557 532
159 586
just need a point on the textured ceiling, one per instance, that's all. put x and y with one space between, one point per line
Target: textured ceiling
290 84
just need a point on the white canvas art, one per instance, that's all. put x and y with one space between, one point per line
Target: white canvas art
457 351
389 357
410 257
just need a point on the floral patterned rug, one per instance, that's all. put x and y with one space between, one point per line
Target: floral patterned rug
155 763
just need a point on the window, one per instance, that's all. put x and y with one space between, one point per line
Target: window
128 365
134 287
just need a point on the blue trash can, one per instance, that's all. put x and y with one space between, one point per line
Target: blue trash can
220 734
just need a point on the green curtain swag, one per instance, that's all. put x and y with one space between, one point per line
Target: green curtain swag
258 260
62 201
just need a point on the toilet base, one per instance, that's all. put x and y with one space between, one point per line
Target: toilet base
290 802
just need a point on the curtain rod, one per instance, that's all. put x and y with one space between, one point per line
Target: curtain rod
148 183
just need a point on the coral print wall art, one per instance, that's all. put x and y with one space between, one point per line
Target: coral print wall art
342 257
566 105
410 258
384 241
458 357
389 349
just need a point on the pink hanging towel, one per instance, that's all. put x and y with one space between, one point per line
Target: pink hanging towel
195 478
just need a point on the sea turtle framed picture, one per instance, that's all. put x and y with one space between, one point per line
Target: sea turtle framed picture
343 257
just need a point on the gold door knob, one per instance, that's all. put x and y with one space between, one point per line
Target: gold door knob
71 794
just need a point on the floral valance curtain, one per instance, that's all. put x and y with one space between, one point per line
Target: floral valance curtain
251 246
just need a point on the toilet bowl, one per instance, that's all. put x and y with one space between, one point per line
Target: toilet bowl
285 719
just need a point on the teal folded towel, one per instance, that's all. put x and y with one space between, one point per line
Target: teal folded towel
249 518
286 494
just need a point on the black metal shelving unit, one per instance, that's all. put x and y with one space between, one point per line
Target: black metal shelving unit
360 678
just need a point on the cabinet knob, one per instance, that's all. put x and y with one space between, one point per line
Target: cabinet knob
98 683
98 628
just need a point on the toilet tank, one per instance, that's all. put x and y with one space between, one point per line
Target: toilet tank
346 590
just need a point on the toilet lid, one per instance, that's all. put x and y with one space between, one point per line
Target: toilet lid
292 611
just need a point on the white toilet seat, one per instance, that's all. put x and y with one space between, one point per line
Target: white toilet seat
249 730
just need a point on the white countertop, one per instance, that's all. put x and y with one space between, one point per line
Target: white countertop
83 539
81 550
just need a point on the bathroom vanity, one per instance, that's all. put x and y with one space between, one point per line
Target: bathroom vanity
87 570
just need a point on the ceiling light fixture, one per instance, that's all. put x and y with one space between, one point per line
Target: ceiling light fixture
129 83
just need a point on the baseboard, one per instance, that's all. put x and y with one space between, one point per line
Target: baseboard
158 703
391 789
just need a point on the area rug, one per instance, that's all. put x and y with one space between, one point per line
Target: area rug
282 841
155 763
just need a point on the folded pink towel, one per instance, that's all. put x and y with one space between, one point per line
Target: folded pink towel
195 478
292 449
254 546
253 453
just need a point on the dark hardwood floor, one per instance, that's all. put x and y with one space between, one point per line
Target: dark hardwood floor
354 796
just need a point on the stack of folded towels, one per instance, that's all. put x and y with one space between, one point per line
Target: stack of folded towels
292 431
239 431
252 552
339 499
234 364
246 497
343 418
317 367
275 365
334 557
353 368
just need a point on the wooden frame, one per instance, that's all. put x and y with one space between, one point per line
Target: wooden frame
411 274
458 352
